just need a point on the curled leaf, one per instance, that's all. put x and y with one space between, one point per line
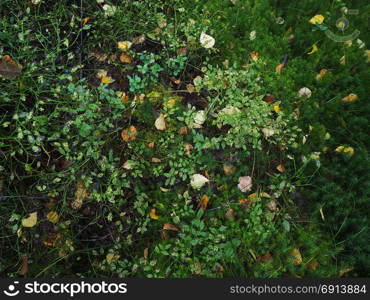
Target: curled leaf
350 98
125 58
296 256
124 45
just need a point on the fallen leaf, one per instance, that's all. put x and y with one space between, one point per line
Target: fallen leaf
317 19
313 265
197 80
160 122
321 74
230 214
164 190
146 253
184 130
272 205
367 55
268 98
198 180
245 183
199 119
123 96
190 88
30 221
124 45
203 202
206 40
24 267
129 134
279 68
229 169
52 217
280 168
125 58
139 39
304 93
128 165
101 73
106 80
111 257
343 60
344 271
85 21
81 194
297 257
152 214
156 160
277 108
168 226
268 132
314 49
9 69
151 145
350 98
187 148
52 239
254 55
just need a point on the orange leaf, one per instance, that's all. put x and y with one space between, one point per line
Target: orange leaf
106 80
279 68
204 202
85 21
129 134
24 267
125 58
280 168
297 257
152 214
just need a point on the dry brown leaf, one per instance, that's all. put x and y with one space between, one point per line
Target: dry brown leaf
245 183
187 148
9 69
168 226
156 160
350 98
313 265
190 88
24 267
183 130
151 145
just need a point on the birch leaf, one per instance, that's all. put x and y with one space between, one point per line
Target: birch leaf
198 180
30 221
160 122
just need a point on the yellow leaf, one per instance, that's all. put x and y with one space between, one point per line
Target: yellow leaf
164 190
124 45
318 19
160 122
321 74
153 215
168 226
156 160
229 169
280 168
349 150
297 257
106 80
204 202
339 149
30 221
279 68
170 103
254 55
350 98
146 253
53 217
314 49
277 108
111 257
85 21
125 58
